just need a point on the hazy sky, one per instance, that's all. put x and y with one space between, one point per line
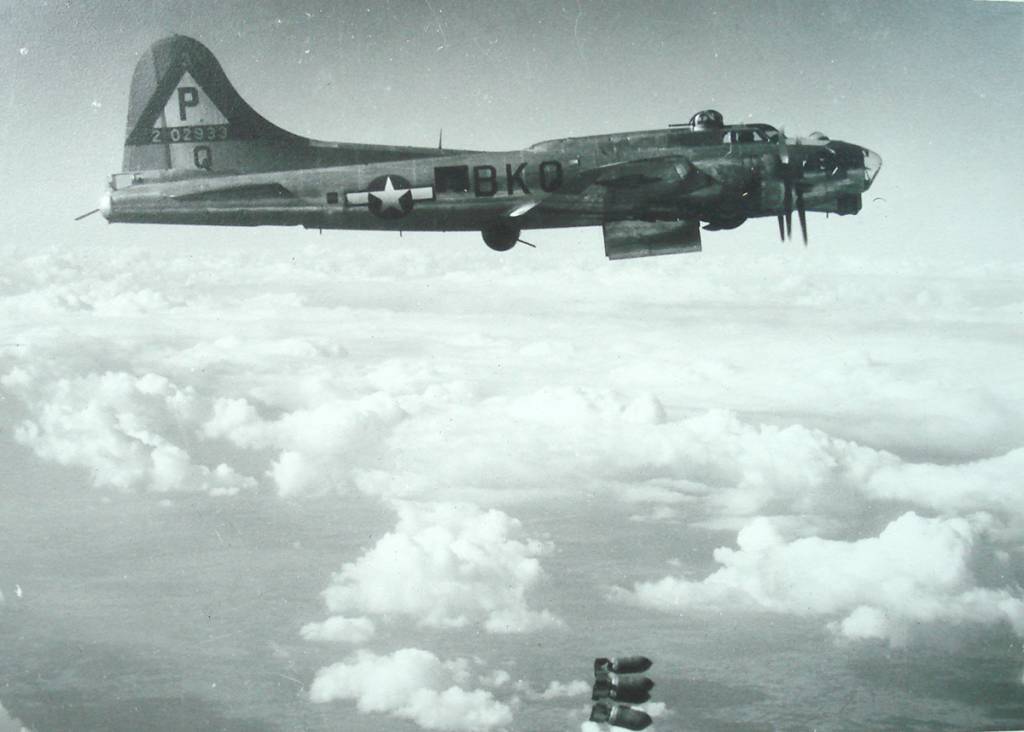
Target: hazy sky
270 480
934 87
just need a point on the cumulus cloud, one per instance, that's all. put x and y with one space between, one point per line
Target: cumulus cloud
714 462
654 709
564 439
559 690
146 431
133 431
319 446
119 427
495 678
917 570
991 484
289 389
9 723
412 684
340 629
447 566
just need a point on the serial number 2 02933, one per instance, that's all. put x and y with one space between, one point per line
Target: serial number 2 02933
201 133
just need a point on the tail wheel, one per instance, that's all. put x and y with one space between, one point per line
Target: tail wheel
500 236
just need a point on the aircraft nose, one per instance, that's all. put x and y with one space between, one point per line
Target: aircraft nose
872 164
105 206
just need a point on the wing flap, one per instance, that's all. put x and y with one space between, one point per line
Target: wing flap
629 239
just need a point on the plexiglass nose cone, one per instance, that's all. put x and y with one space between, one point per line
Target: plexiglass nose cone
872 164
105 205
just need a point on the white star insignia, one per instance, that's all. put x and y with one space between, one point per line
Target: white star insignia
390 197
389 201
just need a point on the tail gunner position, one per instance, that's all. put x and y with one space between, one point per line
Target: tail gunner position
197 153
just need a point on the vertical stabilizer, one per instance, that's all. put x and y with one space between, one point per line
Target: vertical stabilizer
184 114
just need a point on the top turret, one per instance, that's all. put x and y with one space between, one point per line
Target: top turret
707 119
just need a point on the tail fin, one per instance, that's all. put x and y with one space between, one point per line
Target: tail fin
183 113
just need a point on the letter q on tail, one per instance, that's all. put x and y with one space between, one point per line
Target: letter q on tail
203 157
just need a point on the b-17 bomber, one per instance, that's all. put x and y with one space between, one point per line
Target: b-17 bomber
196 153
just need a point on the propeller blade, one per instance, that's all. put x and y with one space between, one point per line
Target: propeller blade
787 203
85 215
783 150
802 214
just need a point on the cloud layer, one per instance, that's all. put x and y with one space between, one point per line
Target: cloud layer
310 377
412 684
9 723
144 432
446 566
916 571
801 399
341 630
121 429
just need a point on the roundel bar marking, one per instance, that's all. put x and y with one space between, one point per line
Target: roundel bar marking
390 196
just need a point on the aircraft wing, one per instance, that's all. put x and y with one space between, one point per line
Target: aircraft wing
634 174
619 192
647 178
621 188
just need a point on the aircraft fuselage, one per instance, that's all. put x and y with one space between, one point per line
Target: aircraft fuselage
467 190
197 153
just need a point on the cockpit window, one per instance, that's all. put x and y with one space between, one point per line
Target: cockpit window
743 137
